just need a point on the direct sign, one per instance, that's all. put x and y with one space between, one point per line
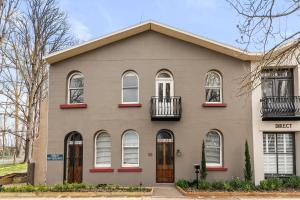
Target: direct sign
55 157
283 125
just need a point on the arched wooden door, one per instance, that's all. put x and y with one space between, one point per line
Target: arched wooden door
164 157
73 158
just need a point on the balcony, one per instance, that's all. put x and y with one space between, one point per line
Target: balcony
165 108
280 108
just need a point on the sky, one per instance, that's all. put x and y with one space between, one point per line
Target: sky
213 19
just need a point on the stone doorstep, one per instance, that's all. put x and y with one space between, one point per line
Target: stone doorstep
76 194
237 194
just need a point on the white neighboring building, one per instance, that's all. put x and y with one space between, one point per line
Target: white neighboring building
276 122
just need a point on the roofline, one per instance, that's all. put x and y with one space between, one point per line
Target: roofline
157 27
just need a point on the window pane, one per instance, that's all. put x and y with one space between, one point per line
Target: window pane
164 75
103 149
130 95
283 88
266 87
130 139
285 164
213 79
130 80
212 148
270 166
76 81
131 155
76 95
269 143
212 95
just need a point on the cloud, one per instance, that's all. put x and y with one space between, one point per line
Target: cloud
80 30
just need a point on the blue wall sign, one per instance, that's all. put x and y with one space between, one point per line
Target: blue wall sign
55 157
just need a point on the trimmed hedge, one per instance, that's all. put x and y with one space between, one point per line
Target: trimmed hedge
236 184
73 187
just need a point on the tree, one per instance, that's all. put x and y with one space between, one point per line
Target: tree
39 29
263 26
203 172
247 169
8 10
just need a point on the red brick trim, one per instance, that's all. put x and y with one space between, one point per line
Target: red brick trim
214 105
216 169
102 169
130 169
124 105
71 106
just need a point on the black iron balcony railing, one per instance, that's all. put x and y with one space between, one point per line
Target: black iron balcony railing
165 108
281 108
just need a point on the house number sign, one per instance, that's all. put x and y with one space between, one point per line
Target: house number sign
55 157
283 125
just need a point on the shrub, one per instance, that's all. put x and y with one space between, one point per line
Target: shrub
218 185
271 184
203 172
247 169
291 182
183 183
204 185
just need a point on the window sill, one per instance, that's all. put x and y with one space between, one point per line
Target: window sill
129 105
216 169
101 169
71 106
214 105
130 169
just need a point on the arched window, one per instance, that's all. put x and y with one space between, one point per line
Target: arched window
130 149
213 148
75 88
130 87
213 87
102 150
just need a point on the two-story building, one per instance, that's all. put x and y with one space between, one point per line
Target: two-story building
134 107
275 119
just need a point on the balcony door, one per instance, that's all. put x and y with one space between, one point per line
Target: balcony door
164 93
278 93
277 83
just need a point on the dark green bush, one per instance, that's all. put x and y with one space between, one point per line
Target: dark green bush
292 182
218 185
271 184
204 185
71 188
183 183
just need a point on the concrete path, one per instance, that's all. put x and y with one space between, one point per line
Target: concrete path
167 191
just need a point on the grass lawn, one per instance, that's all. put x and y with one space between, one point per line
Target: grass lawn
12 168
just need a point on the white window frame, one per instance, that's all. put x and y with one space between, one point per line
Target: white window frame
138 87
69 89
138 160
95 150
221 150
211 87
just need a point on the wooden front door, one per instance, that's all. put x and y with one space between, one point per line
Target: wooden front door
74 159
164 157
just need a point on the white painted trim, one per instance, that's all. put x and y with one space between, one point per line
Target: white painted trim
68 88
138 163
210 87
221 150
95 150
138 87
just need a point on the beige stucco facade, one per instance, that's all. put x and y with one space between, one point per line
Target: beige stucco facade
147 53
276 125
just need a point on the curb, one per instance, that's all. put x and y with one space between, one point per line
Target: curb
248 194
76 194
